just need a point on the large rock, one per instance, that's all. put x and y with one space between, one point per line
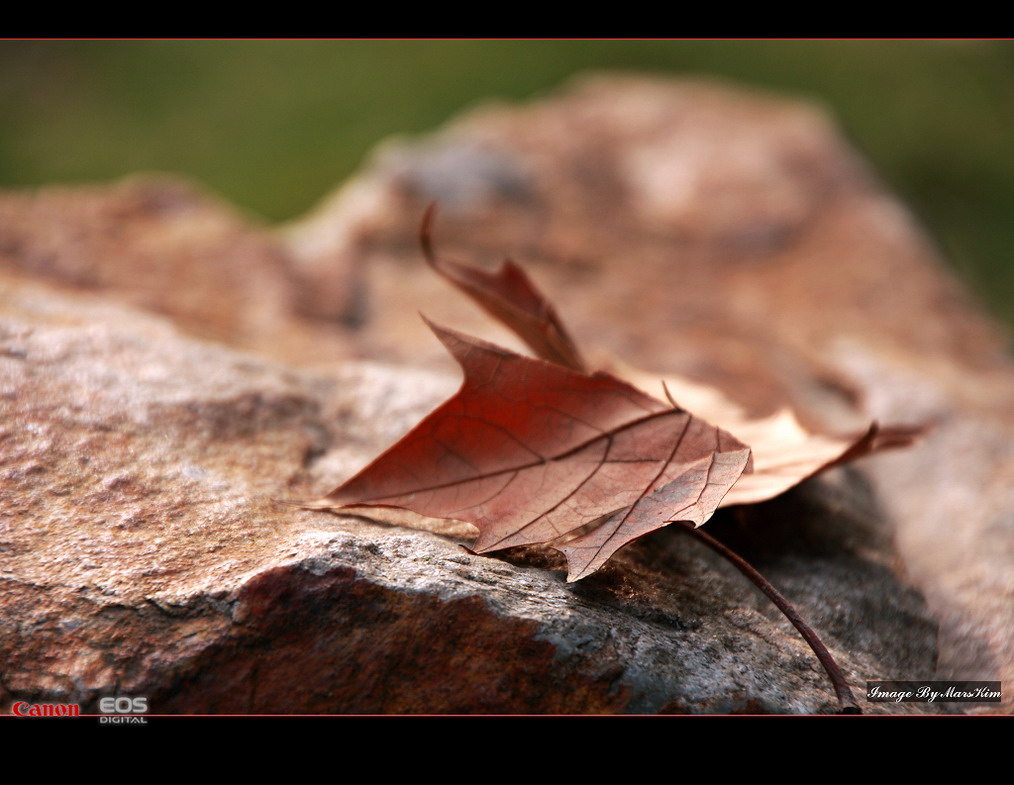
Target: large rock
683 227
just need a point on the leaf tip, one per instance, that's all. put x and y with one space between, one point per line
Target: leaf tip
579 564
672 400
315 504
448 337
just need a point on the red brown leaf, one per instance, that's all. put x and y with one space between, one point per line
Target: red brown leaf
509 296
529 451
784 452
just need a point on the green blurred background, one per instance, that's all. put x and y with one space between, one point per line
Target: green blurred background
275 125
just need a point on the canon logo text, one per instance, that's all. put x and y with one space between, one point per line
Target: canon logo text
23 709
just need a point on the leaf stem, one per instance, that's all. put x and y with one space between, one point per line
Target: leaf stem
846 701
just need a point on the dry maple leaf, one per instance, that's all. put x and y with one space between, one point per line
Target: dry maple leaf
784 452
529 451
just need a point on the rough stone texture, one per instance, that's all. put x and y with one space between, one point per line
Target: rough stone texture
684 227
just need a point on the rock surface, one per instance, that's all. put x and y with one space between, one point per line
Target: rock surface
170 372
